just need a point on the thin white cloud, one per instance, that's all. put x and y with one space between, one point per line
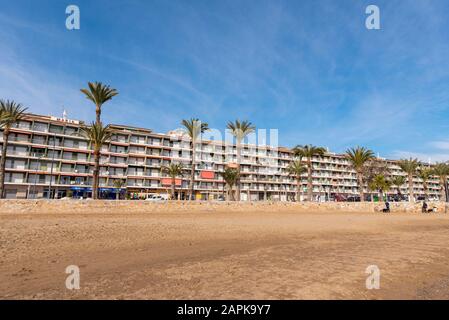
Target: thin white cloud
424 157
443 145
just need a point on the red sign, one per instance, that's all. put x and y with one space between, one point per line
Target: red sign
168 181
207 174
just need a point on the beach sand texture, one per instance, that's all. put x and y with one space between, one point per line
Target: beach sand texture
224 255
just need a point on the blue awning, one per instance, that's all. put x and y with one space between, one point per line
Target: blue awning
86 189
89 189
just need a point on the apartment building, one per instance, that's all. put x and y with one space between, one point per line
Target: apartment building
48 157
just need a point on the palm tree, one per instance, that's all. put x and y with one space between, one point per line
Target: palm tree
99 94
442 171
424 174
308 151
358 157
10 113
398 181
118 184
296 169
409 166
240 129
194 128
380 184
97 135
230 176
173 170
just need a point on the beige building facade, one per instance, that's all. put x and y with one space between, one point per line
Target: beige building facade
48 157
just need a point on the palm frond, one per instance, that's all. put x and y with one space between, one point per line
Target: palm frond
296 168
409 166
240 129
173 170
99 93
194 127
380 182
10 113
230 176
308 151
358 157
97 134
398 181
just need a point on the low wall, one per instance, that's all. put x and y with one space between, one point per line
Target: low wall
130 207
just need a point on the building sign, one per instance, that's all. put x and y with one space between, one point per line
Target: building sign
64 120
207 175
167 182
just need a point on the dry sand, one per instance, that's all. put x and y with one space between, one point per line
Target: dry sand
221 255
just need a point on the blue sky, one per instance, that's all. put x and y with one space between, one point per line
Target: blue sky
308 68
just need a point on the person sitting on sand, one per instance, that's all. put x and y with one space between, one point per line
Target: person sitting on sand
387 207
424 207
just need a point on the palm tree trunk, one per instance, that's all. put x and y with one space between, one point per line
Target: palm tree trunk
192 173
410 188
96 177
3 163
425 190
98 114
360 182
238 166
173 181
117 195
298 189
444 189
96 174
309 180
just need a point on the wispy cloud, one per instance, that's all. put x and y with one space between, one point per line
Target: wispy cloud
443 145
424 157
438 152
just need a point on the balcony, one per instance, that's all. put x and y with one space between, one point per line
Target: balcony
18 139
22 125
40 128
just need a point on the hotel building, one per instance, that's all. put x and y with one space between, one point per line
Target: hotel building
48 157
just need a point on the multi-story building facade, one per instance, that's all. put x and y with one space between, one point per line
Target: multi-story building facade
48 157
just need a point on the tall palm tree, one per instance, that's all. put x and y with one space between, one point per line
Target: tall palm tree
296 169
99 94
308 151
97 135
409 166
358 157
380 184
173 170
194 128
118 184
230 176
398 182
10 113
442 171
424 174
240 129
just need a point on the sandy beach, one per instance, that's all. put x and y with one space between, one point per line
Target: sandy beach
224 255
